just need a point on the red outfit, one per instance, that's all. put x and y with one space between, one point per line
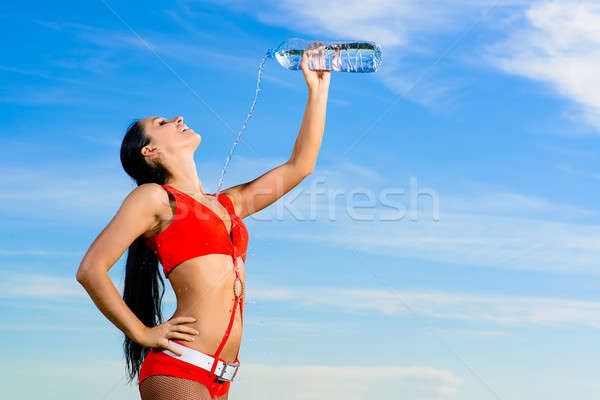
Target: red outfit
196 231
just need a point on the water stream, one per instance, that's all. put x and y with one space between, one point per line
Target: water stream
237 139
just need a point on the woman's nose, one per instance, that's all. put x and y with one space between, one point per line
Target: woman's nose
179 119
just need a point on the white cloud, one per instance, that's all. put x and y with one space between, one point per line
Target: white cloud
37 327
66 192
480 333
286 323
500 203
503 310
46 290
553 41
412 34
572 171
499 309
106 379
390 23
559 45
39 286
96 378
576 153
325 382
479 240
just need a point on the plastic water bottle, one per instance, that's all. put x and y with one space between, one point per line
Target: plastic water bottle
345 55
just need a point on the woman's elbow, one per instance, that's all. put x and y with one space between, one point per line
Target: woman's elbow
305 171
301 169
84 272
80 276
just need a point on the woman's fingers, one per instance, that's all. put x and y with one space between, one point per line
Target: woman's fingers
320 55
179 335
182 320
316 57
172 349
166 344
186 329
314 65
178 325
177 329
337 62
313 49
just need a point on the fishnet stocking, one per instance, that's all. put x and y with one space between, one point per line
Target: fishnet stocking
164 387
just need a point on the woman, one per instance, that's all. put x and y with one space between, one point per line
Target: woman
201 243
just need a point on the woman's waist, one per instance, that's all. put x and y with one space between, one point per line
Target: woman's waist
212 327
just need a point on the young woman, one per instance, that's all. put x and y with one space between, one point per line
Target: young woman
201 244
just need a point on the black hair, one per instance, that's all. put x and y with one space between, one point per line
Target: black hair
142 276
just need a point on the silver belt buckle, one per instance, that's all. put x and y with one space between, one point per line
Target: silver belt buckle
225 365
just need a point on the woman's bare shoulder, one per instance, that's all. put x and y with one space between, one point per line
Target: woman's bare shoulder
151 196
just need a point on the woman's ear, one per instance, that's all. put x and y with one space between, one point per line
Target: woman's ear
150 150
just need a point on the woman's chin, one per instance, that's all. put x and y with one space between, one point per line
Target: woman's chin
196 142
193 140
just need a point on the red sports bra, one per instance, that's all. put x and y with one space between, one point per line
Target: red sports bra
196 231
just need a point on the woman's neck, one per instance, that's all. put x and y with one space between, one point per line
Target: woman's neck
184 177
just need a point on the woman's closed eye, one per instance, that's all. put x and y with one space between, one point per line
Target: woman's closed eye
164 121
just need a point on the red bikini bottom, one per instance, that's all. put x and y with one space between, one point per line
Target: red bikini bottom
159 363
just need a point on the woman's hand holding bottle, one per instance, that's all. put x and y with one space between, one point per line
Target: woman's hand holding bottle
317 79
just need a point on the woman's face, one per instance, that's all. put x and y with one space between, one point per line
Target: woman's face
168 136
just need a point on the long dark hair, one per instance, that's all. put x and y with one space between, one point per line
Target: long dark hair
142 276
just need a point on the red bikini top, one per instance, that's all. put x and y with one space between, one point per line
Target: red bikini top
197 231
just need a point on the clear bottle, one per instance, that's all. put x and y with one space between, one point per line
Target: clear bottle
343 55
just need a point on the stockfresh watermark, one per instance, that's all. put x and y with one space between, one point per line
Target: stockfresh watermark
319 200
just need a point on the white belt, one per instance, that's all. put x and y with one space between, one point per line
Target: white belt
224 371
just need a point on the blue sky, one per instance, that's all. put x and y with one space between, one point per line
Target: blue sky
484 287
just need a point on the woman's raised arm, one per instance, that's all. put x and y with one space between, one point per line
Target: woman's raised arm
253 196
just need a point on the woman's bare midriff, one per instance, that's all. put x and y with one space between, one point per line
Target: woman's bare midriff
204 290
